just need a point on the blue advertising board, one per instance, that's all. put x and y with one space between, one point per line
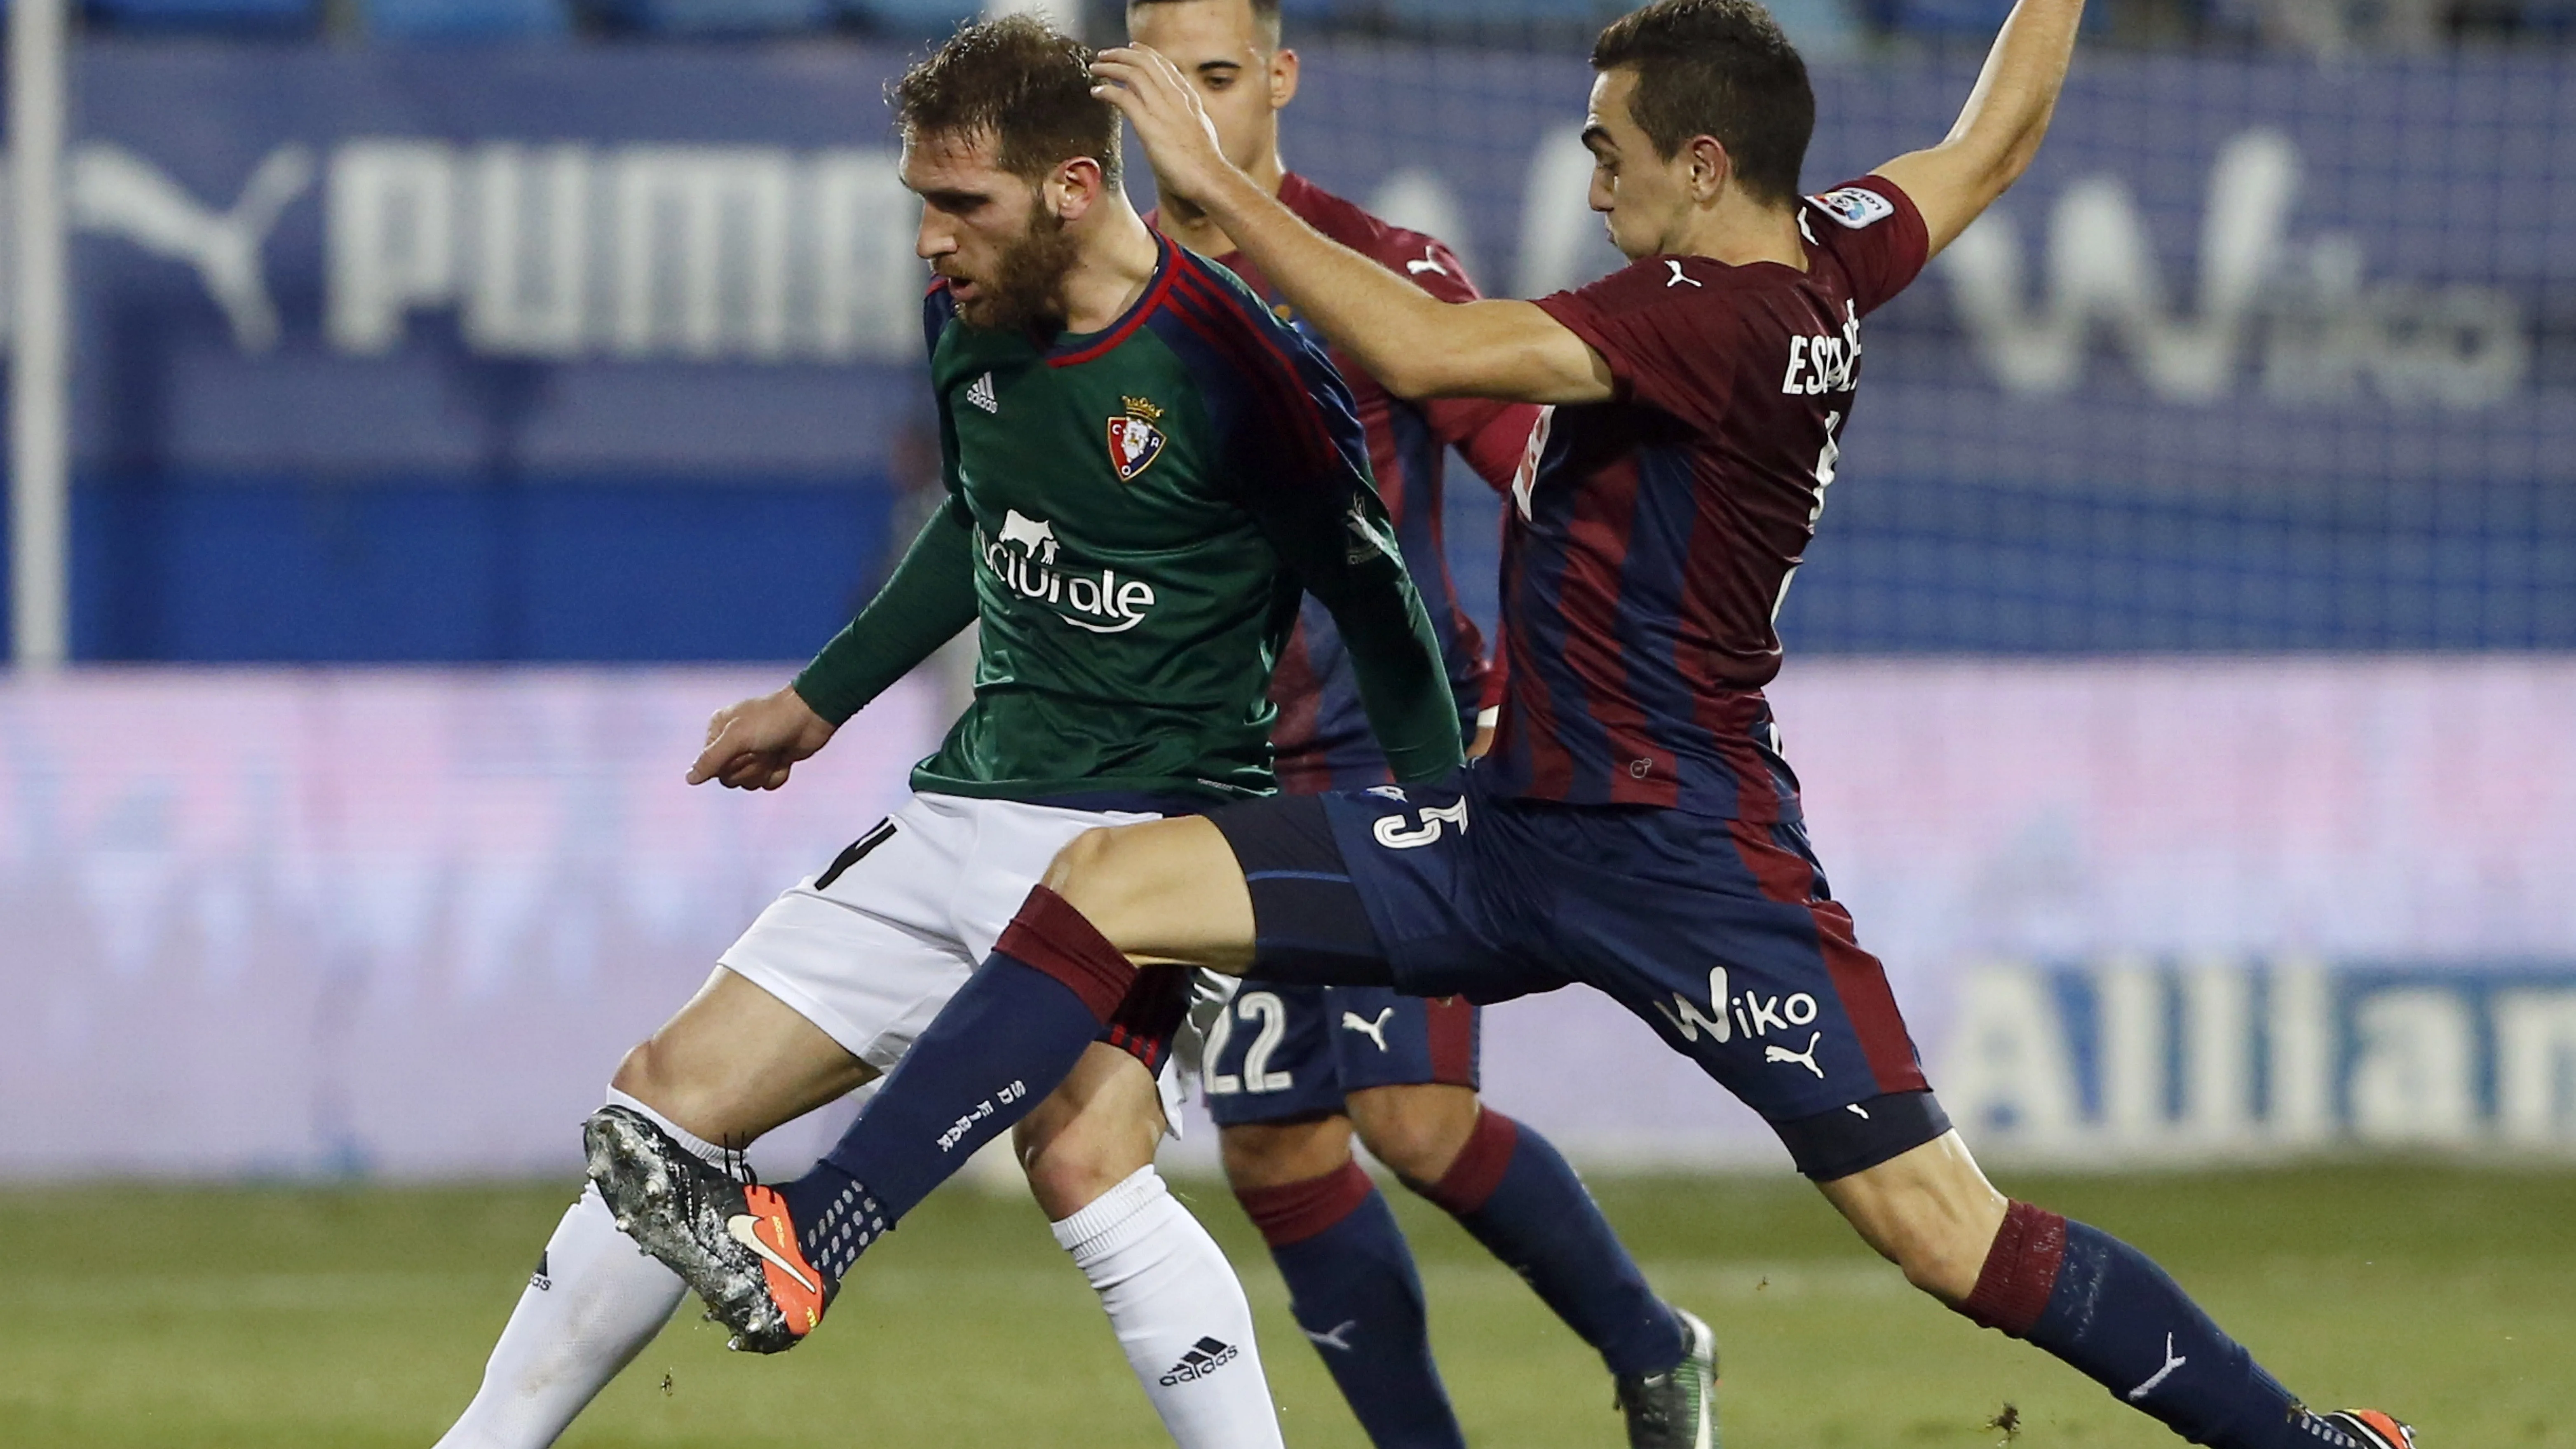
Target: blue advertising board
2261 355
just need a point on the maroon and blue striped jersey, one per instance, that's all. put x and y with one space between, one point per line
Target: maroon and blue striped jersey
1322 736
1651 538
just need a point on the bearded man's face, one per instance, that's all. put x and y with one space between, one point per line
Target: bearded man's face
1004 252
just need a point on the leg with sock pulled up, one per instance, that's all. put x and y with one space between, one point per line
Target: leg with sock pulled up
1352 1283
2091 1300
1179 1311
1510 1188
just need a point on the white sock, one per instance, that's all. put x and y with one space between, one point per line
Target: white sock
595 1300
1180 1314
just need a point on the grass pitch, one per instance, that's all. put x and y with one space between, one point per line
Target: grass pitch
360 1317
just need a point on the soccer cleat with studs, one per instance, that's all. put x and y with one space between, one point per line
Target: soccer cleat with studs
2370 1429
732 1241
1676 1409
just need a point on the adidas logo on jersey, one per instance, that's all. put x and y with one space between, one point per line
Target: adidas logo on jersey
1205 1357
539 1279
980 393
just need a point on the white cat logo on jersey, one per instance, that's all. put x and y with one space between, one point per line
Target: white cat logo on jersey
1134 441
1374 1030
1035 536
1024 559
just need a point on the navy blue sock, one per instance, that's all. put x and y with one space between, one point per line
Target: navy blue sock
1353 1288
2104 1308
1512 1190
1005 1041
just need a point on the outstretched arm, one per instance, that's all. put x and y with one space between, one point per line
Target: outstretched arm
1999 130
1414 344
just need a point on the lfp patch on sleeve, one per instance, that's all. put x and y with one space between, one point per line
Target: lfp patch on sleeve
1854 206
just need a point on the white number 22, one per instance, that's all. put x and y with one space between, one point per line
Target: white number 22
1257 1076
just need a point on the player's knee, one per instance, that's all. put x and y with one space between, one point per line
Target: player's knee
644 1074
663 1079
1071 1162
1417 1131
1092 873
1262 1155
1115 878
1930 1211
1066 1182
1084 868
1941 1256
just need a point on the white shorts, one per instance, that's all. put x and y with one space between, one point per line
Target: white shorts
871 949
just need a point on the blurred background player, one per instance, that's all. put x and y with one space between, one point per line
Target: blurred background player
1634 827
1293 1070
1132 586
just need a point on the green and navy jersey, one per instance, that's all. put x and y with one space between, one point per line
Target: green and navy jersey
1146 505
1322 736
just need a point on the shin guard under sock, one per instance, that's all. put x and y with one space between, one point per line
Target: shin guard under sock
1353 1288
2105 1309
1006 1040
1518 1197
1179 1312
595 1300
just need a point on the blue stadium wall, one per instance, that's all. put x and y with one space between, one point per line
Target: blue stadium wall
611 355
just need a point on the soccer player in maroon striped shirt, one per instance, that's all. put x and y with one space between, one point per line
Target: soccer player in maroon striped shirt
1295 1070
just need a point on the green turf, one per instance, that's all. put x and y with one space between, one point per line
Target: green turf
293 1318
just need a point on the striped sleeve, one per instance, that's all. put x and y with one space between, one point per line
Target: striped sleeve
1877 233
1299 464
1300 428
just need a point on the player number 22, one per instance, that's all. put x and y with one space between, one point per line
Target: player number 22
1257 1076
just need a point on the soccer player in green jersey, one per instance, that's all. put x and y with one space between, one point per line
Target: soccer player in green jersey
1146 471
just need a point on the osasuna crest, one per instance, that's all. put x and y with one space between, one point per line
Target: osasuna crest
1134 441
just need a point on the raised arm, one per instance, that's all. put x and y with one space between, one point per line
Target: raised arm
1413 343
1999 130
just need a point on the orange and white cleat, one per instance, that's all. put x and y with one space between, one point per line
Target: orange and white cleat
2371 1429
732 1241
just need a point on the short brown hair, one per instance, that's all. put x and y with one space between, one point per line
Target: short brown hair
1717 68
1265 13
1019 82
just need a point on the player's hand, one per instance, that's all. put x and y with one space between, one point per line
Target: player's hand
752 745
1180 140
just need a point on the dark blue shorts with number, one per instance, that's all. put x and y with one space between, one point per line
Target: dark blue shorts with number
1283 1052
1719 934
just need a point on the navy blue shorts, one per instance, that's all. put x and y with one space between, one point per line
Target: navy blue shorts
1287 1053
1719 934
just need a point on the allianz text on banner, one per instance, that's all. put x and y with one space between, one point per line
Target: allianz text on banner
2144 1060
